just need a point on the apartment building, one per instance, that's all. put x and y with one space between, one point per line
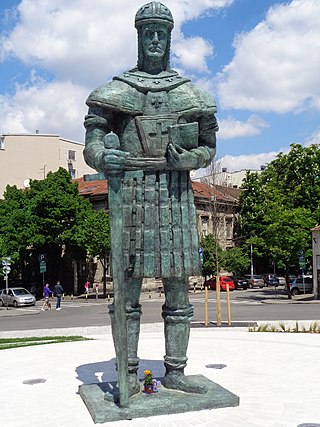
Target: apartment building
32 156
225 178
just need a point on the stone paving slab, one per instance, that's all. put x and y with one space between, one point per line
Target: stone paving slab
275 375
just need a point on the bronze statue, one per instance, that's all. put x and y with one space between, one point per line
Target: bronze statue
150 127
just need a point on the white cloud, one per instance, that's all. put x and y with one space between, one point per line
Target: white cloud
88 42
232 128
192 53
314 138
238 163
82 44
56 107
250 161
276 65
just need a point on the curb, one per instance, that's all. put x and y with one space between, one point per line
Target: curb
16 312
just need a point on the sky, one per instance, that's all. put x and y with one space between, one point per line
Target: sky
260 59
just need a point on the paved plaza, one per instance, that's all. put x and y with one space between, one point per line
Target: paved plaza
276 376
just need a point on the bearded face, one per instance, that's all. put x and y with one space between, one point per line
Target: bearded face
154 44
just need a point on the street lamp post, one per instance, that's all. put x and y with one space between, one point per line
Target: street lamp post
251 259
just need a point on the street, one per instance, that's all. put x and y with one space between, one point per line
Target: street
246 306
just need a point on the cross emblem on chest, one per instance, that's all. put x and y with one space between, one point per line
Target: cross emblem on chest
156 101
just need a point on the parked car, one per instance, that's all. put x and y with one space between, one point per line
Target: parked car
255 281
211 283
270 279
282 280
291 279
16 297
240 282
298 287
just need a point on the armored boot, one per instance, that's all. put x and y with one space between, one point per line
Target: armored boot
177 330
133 329
133 324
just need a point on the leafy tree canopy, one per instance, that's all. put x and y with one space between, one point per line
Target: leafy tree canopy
212 254
279 206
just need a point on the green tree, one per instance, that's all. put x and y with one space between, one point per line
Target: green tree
46 218
212 255
279 206
15 228
95 237
236 260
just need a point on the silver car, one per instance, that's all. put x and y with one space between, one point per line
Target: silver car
16 297
300 286
255 281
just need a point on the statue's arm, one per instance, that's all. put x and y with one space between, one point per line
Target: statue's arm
98 152
97 123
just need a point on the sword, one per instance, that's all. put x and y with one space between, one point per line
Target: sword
119 291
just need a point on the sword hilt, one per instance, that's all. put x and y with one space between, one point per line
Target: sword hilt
111 140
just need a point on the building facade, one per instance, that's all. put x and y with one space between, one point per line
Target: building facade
225 178
216 209
32 156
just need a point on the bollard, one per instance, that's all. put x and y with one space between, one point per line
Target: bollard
206 316
108 297
62 296
228 305
194 288
86 296
71 296
149 293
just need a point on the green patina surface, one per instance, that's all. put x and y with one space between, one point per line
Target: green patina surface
161 403
145 131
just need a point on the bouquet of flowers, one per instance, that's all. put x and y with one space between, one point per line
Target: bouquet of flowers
150 384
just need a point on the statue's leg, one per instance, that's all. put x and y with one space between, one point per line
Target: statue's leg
133 312
177 313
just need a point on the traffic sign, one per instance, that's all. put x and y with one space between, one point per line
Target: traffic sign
43 267
6 261
42 257
302 265
302 262
6 269
201 255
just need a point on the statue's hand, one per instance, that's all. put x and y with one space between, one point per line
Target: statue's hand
182 159
113 160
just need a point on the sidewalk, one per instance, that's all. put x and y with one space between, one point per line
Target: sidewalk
275 375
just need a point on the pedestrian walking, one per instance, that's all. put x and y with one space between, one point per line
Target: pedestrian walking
46 293
58 291
86 289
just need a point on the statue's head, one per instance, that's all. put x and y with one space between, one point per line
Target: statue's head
154 23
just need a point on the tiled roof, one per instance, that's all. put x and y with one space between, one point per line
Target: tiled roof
207 191
200 190
92 188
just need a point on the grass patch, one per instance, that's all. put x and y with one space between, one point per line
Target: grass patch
7 343
314 328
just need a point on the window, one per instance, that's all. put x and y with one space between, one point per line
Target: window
71 155
72 171
229 228
204 225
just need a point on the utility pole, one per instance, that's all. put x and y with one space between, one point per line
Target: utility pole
251 259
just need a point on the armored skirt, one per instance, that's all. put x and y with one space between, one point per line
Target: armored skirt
160 237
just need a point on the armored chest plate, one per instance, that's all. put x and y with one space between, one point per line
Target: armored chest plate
153 133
